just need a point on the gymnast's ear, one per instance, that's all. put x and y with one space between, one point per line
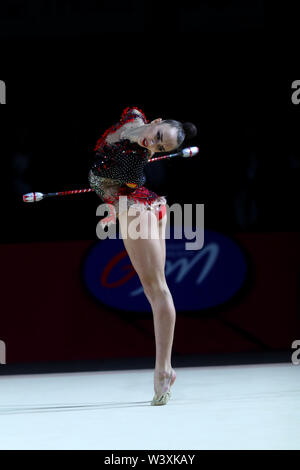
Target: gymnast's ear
156 121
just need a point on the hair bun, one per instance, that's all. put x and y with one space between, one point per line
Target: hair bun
190 130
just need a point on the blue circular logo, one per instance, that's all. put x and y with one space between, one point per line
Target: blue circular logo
197 279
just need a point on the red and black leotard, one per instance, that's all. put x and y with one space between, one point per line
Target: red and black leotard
118 169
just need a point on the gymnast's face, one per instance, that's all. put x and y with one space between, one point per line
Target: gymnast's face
159 137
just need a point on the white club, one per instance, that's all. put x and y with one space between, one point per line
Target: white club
189 151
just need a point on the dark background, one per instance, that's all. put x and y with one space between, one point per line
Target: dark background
246 173
72 18
71 68
49 148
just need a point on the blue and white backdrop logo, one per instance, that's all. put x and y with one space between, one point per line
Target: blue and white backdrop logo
197 279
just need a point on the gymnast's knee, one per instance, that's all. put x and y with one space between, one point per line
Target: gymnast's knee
154 288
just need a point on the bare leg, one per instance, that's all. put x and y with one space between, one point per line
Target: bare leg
148 259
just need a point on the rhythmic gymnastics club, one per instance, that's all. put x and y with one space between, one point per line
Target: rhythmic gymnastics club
35 197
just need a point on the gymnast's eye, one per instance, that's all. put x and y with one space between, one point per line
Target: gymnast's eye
160 147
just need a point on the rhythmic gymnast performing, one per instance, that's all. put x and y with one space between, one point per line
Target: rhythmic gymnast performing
121 155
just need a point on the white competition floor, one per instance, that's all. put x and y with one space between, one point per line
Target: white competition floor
223 407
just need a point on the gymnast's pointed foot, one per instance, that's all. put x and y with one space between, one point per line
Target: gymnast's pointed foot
163 381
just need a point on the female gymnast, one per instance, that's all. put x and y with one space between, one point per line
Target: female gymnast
122 153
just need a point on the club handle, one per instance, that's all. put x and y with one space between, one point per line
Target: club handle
35 197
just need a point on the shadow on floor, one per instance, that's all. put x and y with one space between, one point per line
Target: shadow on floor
67 407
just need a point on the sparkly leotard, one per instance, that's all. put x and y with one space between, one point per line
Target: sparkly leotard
118 169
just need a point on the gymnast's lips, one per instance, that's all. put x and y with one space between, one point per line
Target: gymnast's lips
145 142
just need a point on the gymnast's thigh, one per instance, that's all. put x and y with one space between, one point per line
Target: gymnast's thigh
145 252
